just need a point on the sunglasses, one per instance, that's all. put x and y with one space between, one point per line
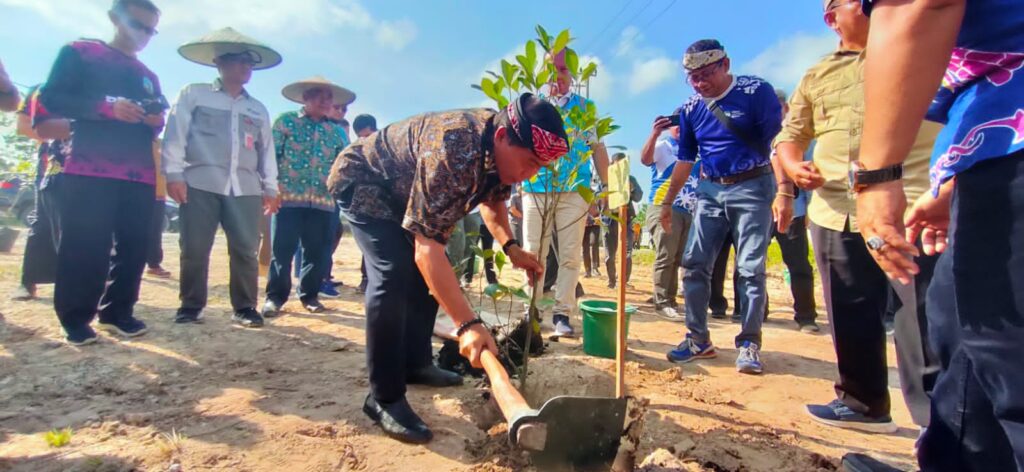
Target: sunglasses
138 25
248 57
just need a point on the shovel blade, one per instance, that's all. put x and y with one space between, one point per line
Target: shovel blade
582 433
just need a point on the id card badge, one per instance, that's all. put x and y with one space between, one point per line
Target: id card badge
250 141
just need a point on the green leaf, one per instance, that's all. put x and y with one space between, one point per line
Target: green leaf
561 42
612 216
477 87
531 54
572 61
589 71
488 87
544 37
617 148
586 193
546 303
503 102
487 254
521 294
496 291
542 78
499 260
479 252
509 72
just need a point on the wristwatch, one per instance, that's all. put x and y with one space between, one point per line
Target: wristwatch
861 179
510 243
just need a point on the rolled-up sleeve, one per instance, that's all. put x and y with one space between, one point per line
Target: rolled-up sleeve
798 127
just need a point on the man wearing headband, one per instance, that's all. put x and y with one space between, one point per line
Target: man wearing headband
960 63
568 208
730 123
218 155
856 290
403 189
107 184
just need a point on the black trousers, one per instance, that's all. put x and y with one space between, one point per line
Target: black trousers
293 228
39 265
976 323
592 249
486 243
155 254
795 251
400 311
97 215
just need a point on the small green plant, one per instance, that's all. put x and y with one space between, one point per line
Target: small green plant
532 71
58 438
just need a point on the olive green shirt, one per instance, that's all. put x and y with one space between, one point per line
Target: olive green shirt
828 106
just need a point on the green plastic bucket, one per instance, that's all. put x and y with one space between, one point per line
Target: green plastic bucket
599 327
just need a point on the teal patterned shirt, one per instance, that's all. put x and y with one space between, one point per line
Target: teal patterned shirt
306 149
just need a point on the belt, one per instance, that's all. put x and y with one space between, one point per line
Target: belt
742 176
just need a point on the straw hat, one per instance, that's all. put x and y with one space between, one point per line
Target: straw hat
228 41
294 92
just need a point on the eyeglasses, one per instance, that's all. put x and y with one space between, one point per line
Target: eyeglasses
138 25
703 74
835 5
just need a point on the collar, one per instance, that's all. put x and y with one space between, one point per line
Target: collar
302 114
218 86
726 92
846 52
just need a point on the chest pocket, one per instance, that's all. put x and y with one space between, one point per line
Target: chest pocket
837 101
209 122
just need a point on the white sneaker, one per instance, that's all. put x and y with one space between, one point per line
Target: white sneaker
670 314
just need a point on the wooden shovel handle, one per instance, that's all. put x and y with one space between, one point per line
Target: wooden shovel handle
509 399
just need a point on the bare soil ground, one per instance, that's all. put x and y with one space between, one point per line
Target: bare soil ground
287 397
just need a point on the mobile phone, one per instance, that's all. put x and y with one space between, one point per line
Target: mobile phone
673 119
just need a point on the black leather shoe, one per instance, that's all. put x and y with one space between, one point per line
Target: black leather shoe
398 421
433 376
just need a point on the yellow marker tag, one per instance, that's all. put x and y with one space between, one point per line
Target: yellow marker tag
618 184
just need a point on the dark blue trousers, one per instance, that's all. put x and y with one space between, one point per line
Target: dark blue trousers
400 311
976 323
292 228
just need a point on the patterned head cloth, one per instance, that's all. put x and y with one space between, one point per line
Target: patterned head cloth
702 53
547 145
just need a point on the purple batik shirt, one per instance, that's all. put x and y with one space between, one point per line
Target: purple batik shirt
86 79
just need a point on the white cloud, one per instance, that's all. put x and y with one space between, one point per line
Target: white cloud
785 62
651 73
260 18
628 41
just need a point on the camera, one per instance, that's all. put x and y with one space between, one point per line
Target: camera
154 106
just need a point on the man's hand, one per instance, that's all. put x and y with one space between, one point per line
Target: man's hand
271 204
782 212
661 124
155 121
474 342
526 261
929 219
178 191
666 218
880 210
806 175
128 111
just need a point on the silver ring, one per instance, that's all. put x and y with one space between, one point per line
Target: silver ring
876 243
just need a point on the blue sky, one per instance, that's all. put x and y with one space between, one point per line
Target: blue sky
405 57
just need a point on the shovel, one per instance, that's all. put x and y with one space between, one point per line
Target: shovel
568 433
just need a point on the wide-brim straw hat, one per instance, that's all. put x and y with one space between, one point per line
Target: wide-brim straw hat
228 41
294 92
